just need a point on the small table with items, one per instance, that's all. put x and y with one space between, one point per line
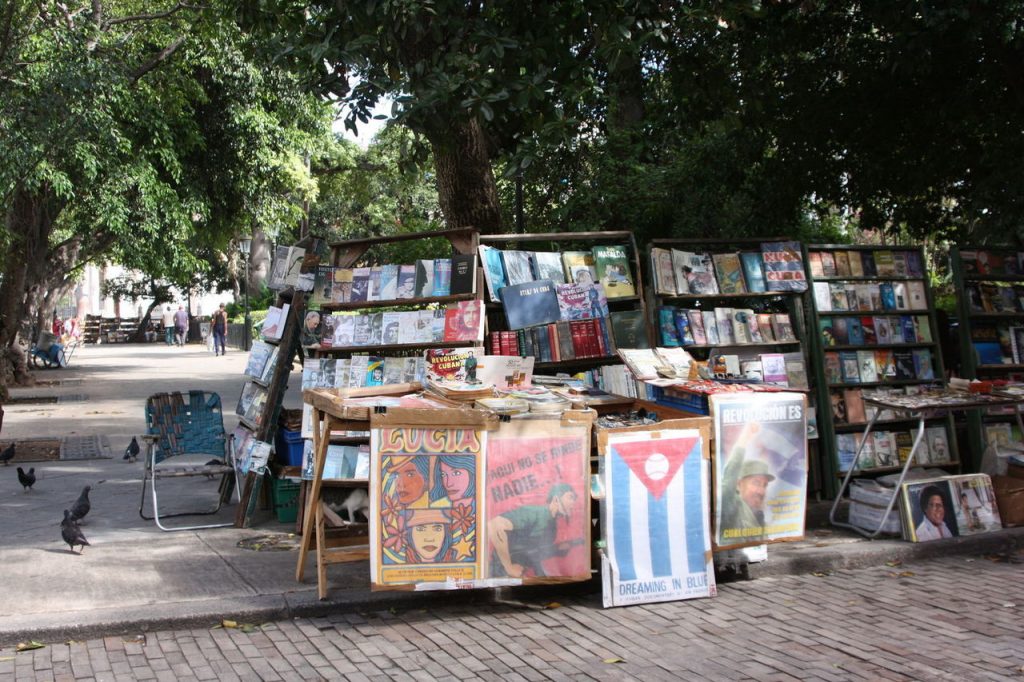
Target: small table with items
929 404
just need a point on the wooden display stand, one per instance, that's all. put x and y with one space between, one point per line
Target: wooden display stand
983 310
851 311
561 242
789 302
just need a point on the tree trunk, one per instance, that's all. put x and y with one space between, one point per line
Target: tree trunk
140 332
466 188
29 221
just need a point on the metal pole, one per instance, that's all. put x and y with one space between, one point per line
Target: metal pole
247 343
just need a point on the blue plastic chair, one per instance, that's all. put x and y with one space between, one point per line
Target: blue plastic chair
185 432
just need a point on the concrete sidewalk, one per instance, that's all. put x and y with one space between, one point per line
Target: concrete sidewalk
134 577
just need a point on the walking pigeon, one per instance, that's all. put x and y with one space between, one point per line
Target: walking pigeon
81 506
132 451
71 533
27 480
8 454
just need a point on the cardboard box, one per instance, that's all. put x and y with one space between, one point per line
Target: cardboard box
1010 498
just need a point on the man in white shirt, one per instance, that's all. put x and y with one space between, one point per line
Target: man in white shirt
167 320
933 505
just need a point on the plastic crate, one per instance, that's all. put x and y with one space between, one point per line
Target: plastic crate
286 499
288 447
692 402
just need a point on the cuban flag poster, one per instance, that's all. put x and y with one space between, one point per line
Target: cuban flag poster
655 517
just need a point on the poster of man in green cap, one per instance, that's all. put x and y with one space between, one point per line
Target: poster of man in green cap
760 465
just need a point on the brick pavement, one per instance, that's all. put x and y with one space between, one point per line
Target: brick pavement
954 618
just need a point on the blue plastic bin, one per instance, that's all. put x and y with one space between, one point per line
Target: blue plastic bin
288 446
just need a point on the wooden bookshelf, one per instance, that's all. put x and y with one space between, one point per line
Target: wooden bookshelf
989 282
854 291
560 242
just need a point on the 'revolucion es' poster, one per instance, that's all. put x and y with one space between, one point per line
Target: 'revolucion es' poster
655 517
760 467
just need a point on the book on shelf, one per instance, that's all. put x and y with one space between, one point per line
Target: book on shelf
677 359
700 336
856 264
884 330
268 368
729 273
837 296
850 366
667 333
783 266
463 273
581 301
700 275
424 284
629 329
884 264
391 324
530 303
341 289
752 370
579 267
279 269
764 326
505 371
833 368
886 364
374 370
854 331
389 282
923 364
373 289
683 330
464 321
796 370
838 406
904 361
868 368
782 328
517 267
814 263
828 264
740 330
450 364
661 270
642 362
854 406
773 366
680 269
753 271
273 324
322 282
822 296
613 271
547 265
842 261
494 271
711 327
841 330
360 285
723 321
258 356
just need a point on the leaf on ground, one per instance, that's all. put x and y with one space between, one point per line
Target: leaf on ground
229 623
134 639
613 660
821 574
553 605
902 574
1008 605
248 627
29 645
897 562
6 658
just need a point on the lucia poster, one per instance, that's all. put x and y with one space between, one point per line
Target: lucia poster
425 506
655 517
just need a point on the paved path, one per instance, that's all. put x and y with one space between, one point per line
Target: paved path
954 618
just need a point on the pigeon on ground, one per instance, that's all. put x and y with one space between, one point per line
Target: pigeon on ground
81 506
71 533
132 451
8 454
27 480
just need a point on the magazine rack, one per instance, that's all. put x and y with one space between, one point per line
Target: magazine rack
936 404
560 242
873 315
788 302
988 281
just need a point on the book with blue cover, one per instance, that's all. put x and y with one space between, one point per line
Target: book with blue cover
494 271
442 277
753 271
530 304
783 266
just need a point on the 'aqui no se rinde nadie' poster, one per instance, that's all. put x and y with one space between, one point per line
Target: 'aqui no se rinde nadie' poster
425 504
655 518
760 467
538 508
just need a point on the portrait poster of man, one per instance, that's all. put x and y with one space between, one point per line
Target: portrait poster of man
425 505
975 503
655 517
760 467
538 506
929 512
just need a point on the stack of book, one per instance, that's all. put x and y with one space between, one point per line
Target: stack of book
606 265
890 448
878 366
872 330
840 296
777 266
361 370
866 263
722 326
456 322
426 278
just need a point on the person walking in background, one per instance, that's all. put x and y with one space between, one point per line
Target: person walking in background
220 330
180 325
167 320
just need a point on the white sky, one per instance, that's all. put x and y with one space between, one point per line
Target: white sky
366 130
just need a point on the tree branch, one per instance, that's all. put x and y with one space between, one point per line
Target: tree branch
359 166
160 57
148 17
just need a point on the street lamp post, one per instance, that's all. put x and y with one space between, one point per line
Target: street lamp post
245 246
